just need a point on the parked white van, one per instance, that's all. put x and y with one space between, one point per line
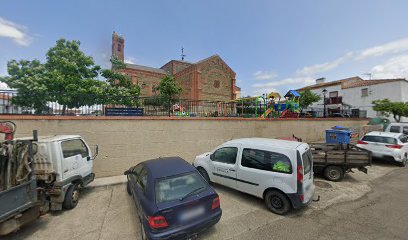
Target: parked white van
397 128
278 171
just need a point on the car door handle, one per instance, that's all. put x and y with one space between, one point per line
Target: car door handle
231 169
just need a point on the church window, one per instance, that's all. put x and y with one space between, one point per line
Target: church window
119 47
216 83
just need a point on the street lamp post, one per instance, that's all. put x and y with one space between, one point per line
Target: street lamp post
324 102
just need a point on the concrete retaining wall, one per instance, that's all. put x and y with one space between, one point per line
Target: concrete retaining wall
124 142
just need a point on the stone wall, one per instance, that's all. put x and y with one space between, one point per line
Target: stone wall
125 141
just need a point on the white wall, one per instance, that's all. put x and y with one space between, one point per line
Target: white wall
391 90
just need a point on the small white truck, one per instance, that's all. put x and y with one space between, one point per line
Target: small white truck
41 174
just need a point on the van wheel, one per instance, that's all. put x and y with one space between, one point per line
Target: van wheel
277 202
333 173
128 188
204 174
71 197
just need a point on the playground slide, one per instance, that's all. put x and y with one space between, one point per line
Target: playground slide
267 112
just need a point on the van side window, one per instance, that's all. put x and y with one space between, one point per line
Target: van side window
405 130
265 160
395 129
226 155
74 147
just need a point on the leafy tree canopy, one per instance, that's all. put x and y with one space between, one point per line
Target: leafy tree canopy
387 108
307 98
121 90
29 78
169 91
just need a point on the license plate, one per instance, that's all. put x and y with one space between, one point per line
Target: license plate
191 214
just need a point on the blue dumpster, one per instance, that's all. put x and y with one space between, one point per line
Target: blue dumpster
338 136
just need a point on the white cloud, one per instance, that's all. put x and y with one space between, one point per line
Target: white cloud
286 81
396 67
397 46
15 32
265 75
259 92
324 67
393 68
130 60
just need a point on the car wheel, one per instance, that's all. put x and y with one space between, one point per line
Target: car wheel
142 230
204 174
128 188
404 161
277 202
71 197
333 173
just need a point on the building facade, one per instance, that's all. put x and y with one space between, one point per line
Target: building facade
356 93
209 79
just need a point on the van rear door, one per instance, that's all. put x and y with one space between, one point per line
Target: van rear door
306 170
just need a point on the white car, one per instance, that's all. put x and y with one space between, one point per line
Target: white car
278 171
386 145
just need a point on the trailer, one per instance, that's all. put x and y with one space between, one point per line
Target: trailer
334 160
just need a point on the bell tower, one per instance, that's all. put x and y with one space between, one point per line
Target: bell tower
118 46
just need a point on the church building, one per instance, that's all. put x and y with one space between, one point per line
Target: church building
209 79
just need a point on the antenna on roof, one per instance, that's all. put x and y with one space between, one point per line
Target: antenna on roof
182 54
368 74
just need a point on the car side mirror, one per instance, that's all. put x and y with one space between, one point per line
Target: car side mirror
126 172
96 152
212 156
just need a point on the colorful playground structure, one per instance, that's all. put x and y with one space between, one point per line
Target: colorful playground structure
272 105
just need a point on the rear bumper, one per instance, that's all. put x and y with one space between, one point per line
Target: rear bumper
297 202
395 155
187 231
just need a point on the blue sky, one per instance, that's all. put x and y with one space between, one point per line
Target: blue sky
271 45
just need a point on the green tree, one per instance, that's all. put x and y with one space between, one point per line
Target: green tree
29 78
169 91
72 76
307 98
387 108
121 90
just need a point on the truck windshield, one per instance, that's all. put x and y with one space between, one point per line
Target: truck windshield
307 161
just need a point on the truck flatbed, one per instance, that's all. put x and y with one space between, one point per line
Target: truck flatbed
334 160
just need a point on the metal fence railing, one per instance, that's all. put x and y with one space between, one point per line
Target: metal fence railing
10 103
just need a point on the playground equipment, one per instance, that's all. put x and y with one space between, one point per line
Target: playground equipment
286 108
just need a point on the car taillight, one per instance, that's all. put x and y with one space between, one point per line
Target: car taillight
395 146
361 142
216 203
157 222
302 197
300 174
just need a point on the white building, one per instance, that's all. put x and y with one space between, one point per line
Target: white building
355 93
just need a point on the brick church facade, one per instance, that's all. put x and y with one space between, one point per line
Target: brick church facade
209 79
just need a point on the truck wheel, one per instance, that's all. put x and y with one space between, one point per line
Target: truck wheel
128 188
333 173
204 174
277 202
71 197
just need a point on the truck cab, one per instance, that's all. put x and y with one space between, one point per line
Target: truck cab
46 176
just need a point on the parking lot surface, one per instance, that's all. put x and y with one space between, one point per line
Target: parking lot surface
109 213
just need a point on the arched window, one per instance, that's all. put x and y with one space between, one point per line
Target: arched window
119 47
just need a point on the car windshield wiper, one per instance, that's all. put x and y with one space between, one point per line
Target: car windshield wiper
191 193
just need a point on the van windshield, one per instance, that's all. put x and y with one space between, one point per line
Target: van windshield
307 161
